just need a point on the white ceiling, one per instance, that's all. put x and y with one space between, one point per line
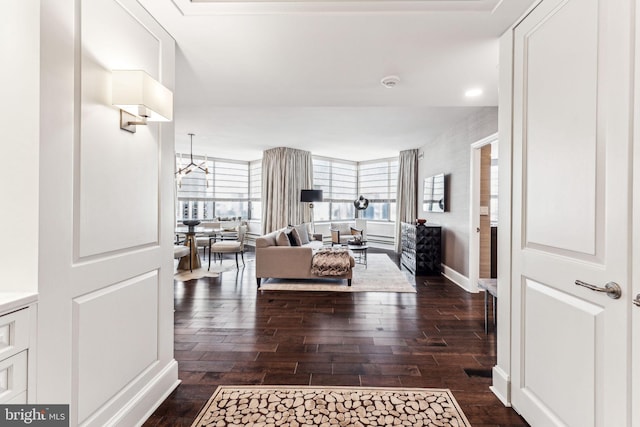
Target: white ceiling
306 74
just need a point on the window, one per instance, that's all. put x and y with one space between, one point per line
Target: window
338 180
343 182
224 192
234 189
377 181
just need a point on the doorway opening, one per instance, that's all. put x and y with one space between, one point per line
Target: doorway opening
483 210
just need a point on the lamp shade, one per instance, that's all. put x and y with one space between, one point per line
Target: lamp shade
137 93
310 195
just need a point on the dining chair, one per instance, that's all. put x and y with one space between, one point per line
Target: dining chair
180 250
230 247
204 240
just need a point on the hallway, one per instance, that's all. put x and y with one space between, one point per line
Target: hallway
228 333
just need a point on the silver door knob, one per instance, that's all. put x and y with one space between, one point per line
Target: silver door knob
636 301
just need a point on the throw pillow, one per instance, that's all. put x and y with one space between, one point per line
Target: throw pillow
292 240
296 237
303 233
282 239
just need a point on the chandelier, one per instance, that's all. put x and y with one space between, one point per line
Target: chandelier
183 171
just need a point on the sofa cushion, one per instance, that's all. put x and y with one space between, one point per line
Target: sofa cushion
282 239
296 237
226 247
180 251
292 240
267 240
303 233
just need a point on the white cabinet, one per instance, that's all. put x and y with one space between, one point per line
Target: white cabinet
16 347
13 378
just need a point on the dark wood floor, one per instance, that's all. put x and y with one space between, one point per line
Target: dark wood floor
226 333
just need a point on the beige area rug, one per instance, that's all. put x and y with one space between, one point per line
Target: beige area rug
216 269
330 406
381 275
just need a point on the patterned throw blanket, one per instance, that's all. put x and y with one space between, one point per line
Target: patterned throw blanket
330 262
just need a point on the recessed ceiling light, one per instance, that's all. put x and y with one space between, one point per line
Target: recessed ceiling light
473 92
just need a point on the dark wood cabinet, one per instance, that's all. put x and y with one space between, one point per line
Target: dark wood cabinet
421 248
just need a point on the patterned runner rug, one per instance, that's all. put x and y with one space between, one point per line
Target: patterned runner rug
330 406
380 275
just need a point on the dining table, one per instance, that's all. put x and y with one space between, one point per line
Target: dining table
190 233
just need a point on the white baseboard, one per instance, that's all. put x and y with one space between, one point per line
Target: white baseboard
457 278
139 409
501 386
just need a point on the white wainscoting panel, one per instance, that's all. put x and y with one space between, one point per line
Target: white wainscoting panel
555 324
115 338
562 133
118 180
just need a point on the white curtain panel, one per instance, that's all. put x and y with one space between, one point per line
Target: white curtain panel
285 171
406 195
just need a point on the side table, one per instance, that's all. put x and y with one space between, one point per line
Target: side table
361 251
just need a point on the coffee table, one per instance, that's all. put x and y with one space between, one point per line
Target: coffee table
361 252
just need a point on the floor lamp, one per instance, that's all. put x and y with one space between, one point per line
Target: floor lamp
310 196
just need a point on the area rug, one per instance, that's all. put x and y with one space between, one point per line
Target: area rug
216 269
380 275
328 406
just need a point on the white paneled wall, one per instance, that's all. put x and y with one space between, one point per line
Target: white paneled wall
123 214
105 321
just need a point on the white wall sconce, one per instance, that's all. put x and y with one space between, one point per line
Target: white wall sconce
140 98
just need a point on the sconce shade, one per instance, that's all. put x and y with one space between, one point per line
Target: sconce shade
139 94
310 195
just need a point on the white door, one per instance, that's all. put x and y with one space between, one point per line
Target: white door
571 213
635 292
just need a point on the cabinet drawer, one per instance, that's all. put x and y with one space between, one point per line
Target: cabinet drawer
13 377
14 332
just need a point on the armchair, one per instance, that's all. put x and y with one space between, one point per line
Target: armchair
343 232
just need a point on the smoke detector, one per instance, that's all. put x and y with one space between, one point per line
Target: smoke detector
390 81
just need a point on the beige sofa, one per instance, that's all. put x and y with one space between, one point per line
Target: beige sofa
288 262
